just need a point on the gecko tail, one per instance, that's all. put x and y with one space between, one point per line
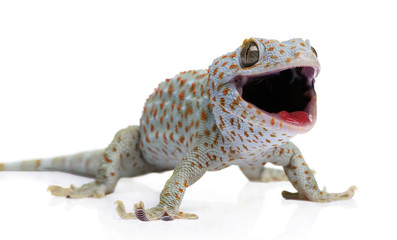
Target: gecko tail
83 164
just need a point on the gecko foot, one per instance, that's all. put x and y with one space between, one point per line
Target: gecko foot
321 196
273 175
91 189
156 213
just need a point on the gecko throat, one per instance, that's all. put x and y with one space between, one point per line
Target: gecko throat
285 93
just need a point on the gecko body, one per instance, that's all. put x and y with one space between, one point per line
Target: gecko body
242 110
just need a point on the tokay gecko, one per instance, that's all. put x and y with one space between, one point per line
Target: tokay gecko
242 110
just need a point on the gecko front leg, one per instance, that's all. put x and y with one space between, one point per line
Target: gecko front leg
187 172
302 178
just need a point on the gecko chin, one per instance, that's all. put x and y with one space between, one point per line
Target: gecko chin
287 95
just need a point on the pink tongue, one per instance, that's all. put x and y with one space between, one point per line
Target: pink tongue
298 117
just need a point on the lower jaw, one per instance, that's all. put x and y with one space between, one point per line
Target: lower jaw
301 121
297 117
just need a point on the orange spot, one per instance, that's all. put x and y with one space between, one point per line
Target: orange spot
181 139
272 121
226 91
183 81
303 45
222 102
192 87
170 90
233 55
108 160
181 96
176 195
215 71
224 64
233 66
203 116
281 151
207 132
221 75
114 149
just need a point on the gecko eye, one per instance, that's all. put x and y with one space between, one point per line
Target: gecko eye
249 54
314 51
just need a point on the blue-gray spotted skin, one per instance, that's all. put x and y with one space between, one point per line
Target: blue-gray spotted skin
242 110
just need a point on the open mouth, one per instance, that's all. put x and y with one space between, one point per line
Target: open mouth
287 95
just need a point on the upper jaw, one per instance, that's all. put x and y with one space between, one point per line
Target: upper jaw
286 95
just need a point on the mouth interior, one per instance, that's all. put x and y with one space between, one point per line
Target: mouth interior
286 93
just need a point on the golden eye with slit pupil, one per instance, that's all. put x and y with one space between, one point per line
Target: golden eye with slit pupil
314 51
249 54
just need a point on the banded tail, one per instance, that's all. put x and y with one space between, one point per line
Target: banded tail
84 164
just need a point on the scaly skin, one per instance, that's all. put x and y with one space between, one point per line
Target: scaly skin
198 121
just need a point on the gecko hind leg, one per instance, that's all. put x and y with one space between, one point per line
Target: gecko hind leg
122 158
263 174
91 189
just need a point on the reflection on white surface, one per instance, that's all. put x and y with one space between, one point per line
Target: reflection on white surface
255 210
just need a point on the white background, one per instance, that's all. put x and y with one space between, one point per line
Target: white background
72 73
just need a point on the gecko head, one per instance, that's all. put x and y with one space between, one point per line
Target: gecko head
267 83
